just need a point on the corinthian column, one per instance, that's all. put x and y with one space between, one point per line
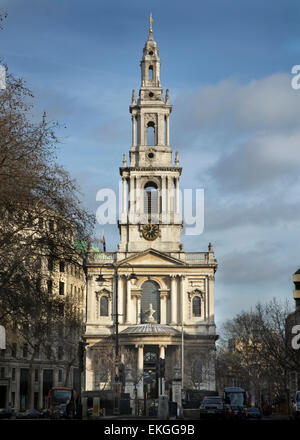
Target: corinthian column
168 130
120 300
128 302
163 307
177 196
164 199
173 300
133 131
182 298
124 205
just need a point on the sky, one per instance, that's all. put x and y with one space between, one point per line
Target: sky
235 118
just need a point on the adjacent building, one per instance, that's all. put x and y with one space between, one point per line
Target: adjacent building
52 365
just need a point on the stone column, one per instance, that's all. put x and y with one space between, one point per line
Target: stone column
182 298
133 131
177 195
131 197
31 399
138 307
170 196
160 138
168 130
128 302
89 384
163 307
138 199
18 377
120 300
41 403
90 293
174 317
140 371
124 206
141 130
164 199
210 298
162 355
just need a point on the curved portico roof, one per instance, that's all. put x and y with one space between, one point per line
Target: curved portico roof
150 329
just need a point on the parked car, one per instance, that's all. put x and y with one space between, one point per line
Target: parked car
45 413
253 413
6 413
212 406
29 414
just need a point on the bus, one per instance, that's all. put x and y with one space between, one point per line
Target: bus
62 402
236 401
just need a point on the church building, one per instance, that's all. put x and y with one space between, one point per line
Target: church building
157 299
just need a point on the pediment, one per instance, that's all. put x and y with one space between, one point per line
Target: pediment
153 257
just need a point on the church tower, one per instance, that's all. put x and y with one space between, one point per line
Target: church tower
150 295
150 208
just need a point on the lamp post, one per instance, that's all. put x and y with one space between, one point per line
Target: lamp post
100 279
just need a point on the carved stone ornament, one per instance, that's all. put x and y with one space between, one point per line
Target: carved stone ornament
149 314
105 292
195 292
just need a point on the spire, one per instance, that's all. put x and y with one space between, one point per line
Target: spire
150 28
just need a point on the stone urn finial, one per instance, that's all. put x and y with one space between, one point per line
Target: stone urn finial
167 97
133 97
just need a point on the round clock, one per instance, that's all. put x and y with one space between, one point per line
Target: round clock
150 232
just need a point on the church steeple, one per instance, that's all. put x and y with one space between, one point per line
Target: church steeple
150 176
150 113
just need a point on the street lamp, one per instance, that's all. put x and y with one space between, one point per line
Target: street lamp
133 279
100 278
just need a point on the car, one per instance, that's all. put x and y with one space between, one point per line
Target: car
253 413
212 407
45 413
6 413
29 414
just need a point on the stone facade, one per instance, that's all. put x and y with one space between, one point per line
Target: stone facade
59 369
169 312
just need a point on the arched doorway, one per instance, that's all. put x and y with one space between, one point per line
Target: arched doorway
150 295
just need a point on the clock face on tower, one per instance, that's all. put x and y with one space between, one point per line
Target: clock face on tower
150 232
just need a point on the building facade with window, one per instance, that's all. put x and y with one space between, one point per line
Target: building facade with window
168 313
52 365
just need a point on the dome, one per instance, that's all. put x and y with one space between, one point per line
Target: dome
150 329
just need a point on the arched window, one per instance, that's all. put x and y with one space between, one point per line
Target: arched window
196 306
150 74
151 198
151 134
104 306
150 295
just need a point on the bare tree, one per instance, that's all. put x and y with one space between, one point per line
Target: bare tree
41 220
256 350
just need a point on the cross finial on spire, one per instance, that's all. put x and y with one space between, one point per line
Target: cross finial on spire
151 21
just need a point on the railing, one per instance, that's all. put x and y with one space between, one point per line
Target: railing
197 256
108 257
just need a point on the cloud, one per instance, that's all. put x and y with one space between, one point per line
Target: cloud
259 163
267 103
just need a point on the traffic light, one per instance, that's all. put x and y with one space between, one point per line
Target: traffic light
162 367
